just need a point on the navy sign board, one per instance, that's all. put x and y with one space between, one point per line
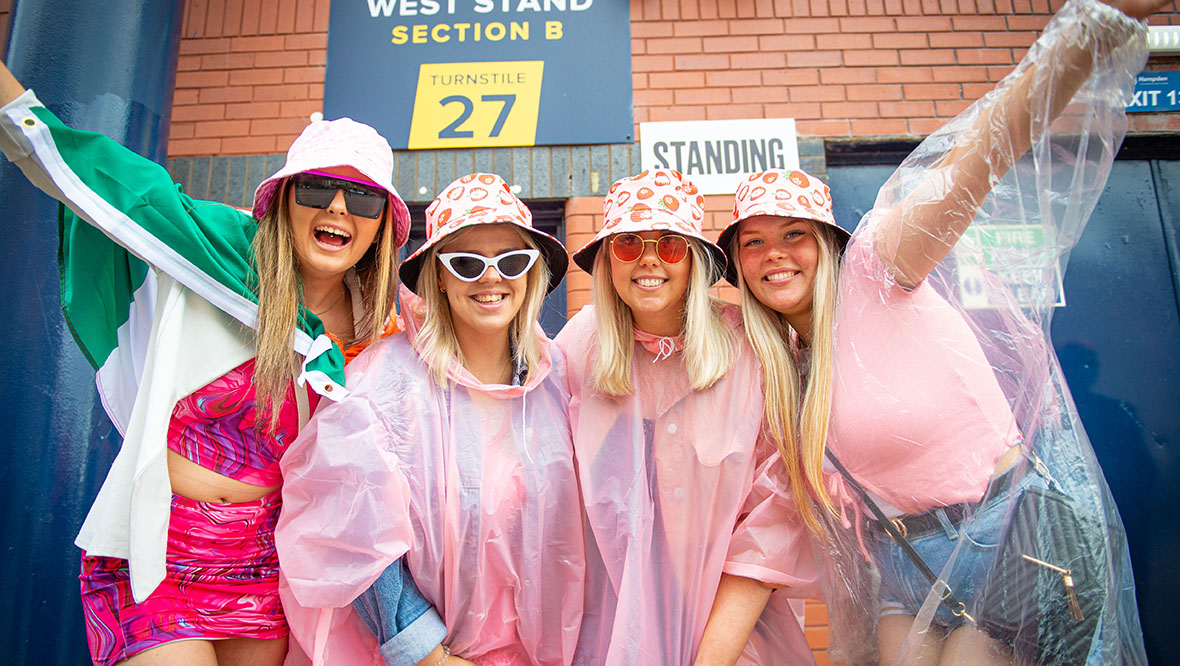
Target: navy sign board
481 73
1156 91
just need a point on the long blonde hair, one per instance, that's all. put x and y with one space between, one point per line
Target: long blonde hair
280 295
437 343
709 346
798 427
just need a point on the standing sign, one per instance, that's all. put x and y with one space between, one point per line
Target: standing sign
482 73
715 154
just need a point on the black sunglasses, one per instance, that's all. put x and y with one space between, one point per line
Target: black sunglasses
362 200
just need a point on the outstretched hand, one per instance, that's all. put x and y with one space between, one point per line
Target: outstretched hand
1139 9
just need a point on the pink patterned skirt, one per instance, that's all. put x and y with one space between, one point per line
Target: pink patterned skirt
221 582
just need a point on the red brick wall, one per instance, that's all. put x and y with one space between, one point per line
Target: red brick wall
250 74
839 67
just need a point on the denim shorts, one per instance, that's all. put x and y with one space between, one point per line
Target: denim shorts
973 544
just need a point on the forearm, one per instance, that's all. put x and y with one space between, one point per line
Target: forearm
736 609
10 88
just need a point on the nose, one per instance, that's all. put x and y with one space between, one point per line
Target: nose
491 275
649 257
338 206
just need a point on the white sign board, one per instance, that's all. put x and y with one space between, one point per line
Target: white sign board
715 154
1016 254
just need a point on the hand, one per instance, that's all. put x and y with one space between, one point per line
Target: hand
1138 9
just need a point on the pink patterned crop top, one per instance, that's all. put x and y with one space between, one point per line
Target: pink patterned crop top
217 427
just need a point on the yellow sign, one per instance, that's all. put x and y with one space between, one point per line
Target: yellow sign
476 104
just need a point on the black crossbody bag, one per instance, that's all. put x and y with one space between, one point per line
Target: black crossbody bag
1045 592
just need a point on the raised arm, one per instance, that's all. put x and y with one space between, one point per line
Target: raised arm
918 233
10 88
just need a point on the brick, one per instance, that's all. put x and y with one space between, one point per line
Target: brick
203 46
758 61
188 147
853 41
949 108
733 112
301 109
914 91
649 63
184 97
959 74
253 77
198 113
676 79
866 24
870 93
956 40
730 44
814 59
318 58
1033 23
907 109
817 637
638 81
925 57
809 111
900 40
658 113
758 95
674 45
248 145
811 25
261 43
815 614
188 63
201 79
904 75
870 58
1009 39
770 26
221 128
584 206
647 30
924 126
823 128
278 126
223 95
281 93
818 94
835 110
252 110
181 131
843 76
879 127
303 74
734 78
787 43
929 24
702 95
976 90
983 56
791 77
638 47
982 23
652 97
701 28
713 61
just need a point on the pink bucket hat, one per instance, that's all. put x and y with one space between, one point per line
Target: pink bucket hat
335 143
655 200
781 193
481 198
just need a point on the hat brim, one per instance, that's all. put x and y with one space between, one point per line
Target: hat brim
725 240
552 251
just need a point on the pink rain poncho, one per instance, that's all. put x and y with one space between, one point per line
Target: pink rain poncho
933 384
473 484
679 488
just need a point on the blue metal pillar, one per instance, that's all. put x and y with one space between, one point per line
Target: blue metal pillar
110 66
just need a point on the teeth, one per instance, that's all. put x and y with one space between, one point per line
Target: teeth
334 231
779 275
489 298
649 282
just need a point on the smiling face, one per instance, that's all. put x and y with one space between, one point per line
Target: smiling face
654 290
329 241
487 306
778 257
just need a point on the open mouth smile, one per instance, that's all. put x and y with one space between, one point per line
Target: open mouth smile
332 237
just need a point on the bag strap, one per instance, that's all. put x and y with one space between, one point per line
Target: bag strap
957 607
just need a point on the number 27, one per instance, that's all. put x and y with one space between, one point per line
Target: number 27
452 131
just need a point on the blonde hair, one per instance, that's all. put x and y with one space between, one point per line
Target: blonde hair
799 427
436 341
709 346
280 295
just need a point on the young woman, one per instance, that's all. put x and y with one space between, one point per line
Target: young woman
179 563
679 489
939 402
452 451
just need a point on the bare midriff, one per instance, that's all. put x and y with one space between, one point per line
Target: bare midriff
204 485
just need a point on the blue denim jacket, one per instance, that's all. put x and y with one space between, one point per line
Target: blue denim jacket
406 626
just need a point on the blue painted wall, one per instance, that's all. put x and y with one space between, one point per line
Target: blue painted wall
1118 339
107 65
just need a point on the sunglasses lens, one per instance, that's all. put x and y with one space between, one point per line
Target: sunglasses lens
314 193
467 268
627 247
318 192
513 265
364 203
672 249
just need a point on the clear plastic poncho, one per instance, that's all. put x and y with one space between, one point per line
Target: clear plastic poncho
679 488
933 383
473 484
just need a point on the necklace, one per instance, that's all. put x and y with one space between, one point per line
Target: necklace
340 297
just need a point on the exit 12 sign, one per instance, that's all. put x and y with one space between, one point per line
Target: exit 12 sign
1156 91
